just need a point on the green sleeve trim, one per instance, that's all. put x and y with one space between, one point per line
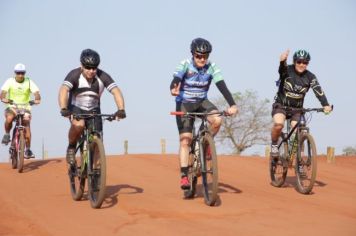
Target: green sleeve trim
215 73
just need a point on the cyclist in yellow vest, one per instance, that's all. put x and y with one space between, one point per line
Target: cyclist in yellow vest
18 90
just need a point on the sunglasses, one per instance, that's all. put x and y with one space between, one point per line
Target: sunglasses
20 73
302 62
201 56
90 68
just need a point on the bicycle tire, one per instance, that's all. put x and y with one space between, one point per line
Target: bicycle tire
13 157
76 177
278 168
209 171
96 173
21 151
306 164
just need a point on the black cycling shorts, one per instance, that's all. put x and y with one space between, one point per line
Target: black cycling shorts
98 120
185 124
278 108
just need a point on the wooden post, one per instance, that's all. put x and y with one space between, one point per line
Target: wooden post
330 156
267 151
163 146
126 147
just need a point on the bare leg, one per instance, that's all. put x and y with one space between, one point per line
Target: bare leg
278 120
215 122
185 140
75 131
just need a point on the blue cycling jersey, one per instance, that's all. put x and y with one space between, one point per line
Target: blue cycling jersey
195 82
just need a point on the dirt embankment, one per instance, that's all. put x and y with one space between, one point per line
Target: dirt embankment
143 197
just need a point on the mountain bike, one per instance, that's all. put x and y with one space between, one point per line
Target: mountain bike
202 158
17 147
299 152
90 162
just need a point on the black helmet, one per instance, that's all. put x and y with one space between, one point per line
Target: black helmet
200 45
90 58
301 55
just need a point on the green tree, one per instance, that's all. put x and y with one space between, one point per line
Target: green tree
250 127
349 151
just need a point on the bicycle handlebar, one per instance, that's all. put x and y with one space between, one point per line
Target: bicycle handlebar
109 117
306 109
31 103
182 113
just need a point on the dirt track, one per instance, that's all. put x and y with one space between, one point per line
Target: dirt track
143 198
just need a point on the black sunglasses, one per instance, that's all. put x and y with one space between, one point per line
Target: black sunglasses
201 56
90 68
20 73
302 62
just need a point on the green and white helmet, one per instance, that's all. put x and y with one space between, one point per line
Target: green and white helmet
301 55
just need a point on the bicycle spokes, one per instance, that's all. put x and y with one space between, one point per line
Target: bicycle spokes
306 164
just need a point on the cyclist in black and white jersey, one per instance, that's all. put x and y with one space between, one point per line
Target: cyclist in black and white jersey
80 94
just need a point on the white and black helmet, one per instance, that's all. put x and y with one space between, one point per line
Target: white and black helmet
90 58
20 68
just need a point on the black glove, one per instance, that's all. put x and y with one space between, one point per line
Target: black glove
121 114
65 112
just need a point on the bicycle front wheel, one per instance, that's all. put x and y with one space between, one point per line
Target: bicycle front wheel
13 157
77 175
209 170
21 151
306 164
96 173
278 167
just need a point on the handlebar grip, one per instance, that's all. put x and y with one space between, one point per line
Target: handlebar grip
177 113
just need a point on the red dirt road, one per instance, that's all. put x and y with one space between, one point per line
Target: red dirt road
143 198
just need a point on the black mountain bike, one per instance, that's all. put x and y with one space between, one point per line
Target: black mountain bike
17 147
202 158
299 152
90 162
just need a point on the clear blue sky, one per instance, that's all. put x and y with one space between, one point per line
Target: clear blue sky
141 42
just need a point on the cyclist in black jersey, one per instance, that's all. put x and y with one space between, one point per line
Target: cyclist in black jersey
293 84
81 92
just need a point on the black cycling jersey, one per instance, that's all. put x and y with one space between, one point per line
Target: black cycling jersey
83 94
293 87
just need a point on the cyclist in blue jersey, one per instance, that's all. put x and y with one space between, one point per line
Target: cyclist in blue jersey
190 85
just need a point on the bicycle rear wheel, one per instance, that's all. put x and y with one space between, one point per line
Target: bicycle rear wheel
96 173
278 167
306 164
77 174
21 151
209 170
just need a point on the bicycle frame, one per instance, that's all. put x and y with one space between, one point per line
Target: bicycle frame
203 128
16 131
86 138
299 127
197 138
